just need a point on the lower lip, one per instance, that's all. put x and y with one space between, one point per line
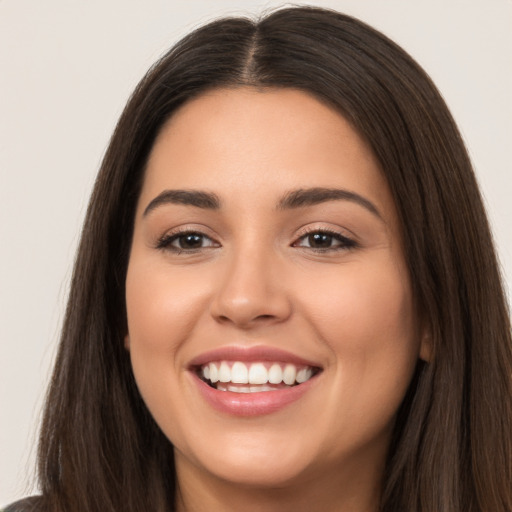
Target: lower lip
252 404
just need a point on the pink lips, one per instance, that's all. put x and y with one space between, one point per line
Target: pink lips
250 404
250 354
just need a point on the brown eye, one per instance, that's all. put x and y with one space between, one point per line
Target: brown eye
325 241
320 240
189 241
186 241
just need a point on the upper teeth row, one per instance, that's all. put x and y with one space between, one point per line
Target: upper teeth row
255 373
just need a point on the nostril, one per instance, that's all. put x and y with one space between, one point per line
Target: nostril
264 317
248 320
224 318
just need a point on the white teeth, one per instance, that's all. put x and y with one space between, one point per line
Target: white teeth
275 374
258 374
246 389
303 375
255 374
239 389
224 372
214 373
256 389
289 374
239 373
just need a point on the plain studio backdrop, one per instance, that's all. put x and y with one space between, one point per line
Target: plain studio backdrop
67 68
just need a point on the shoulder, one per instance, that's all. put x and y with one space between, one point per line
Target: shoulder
32 504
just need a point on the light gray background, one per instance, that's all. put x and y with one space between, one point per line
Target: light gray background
66 70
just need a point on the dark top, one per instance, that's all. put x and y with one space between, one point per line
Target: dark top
31 504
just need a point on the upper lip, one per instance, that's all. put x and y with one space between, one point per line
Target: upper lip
256 353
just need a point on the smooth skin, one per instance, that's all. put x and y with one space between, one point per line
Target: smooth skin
325 281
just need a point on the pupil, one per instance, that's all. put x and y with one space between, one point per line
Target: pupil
320 240
191 241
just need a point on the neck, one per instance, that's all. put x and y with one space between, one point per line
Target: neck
336 490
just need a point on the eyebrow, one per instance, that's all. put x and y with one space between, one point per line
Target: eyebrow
299 198
197 198
312 196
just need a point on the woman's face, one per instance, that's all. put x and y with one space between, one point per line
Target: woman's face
267 258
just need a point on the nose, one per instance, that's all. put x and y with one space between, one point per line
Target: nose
251 292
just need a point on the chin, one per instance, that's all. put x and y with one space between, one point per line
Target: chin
264 473
253 460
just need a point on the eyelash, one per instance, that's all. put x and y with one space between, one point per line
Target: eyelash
345 243
166 241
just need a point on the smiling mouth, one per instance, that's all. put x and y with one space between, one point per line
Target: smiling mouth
254 377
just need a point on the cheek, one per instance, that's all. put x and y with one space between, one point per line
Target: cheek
367 309
368 322
163 309
162 306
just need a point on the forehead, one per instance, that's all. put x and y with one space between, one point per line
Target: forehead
240 141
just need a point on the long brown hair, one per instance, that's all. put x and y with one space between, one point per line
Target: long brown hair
100 450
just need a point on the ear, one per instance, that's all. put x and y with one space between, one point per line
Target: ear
127 342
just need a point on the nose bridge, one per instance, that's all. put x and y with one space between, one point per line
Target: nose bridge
249 289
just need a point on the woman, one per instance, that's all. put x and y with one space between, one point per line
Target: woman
286 295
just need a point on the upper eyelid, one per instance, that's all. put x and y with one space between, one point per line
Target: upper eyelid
315 228
201 230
